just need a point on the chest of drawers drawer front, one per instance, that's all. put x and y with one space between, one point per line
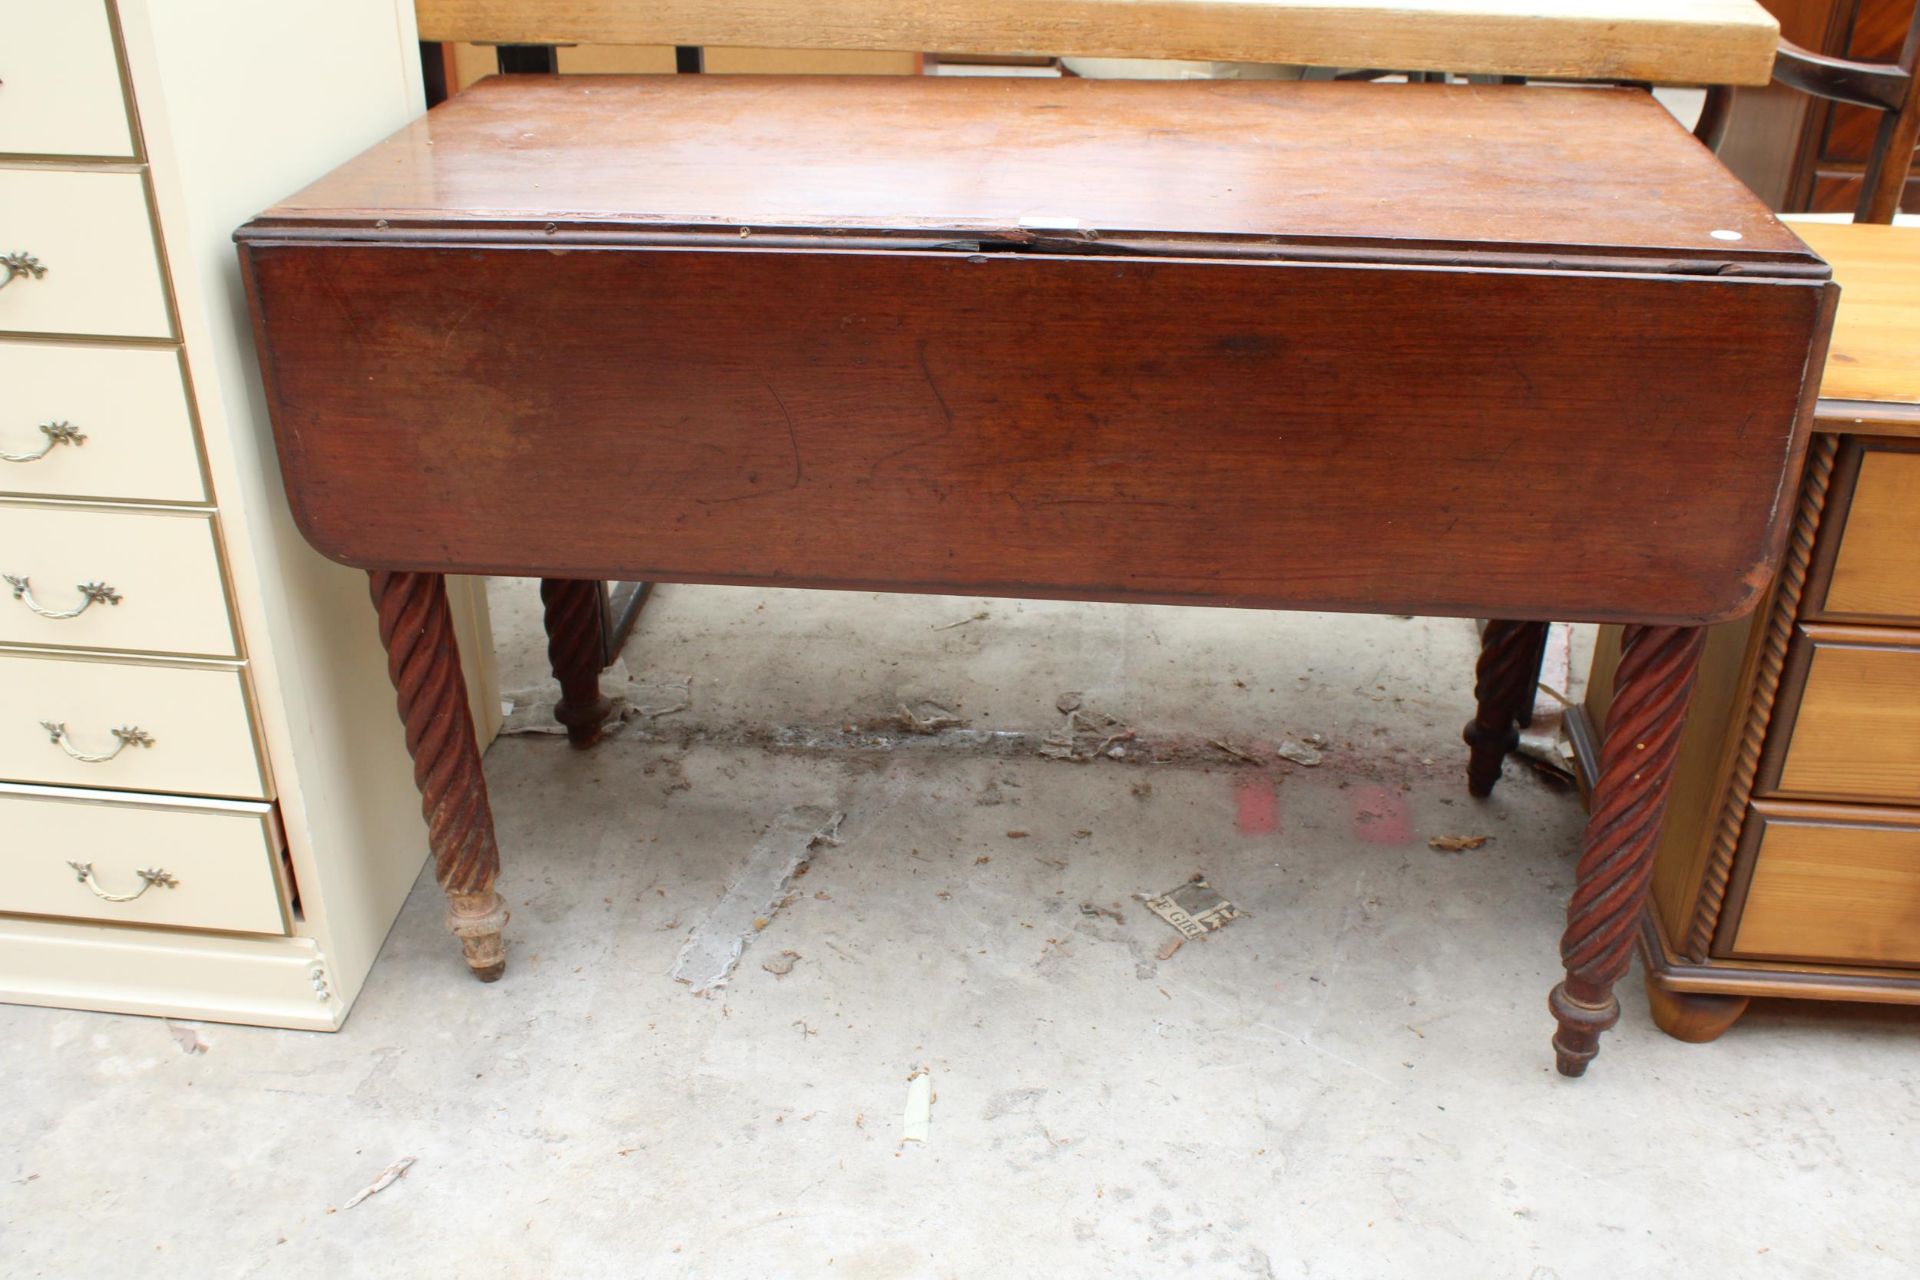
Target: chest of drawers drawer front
181 729
63 92
1829 883
94 266
80 420
1846 725
94 855
1870 572
146 581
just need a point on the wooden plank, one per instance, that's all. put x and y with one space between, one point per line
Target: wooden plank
1134 163
1043 425
1839 884
1675 41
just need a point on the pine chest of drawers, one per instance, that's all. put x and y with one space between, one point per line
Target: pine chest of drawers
1790 865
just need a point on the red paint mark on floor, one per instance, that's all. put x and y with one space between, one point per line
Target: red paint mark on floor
1379 814
1256 806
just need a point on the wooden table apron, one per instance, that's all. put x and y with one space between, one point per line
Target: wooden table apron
1263 434
1480 432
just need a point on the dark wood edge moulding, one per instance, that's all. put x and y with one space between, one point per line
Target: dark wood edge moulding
438 232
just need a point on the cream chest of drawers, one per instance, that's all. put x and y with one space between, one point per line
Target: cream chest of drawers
204 808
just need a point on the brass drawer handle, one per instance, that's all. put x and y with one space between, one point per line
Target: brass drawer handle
126 737
92 593
57 433
21 264
150 877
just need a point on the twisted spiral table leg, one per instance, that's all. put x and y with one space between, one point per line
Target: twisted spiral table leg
1510 654
1651 689
423 661
1526 692
576 639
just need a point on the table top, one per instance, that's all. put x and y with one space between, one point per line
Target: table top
1663 41
1342 170
1875 352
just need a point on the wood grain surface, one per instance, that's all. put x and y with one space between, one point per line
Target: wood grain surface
1875 354
1851 728
1786 979
1679 41
1875 574
1381 439
1833 883
1604 172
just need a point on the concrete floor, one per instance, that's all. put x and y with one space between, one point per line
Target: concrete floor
1352 1080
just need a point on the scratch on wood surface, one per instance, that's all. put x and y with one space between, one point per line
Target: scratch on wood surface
332 289
457 322
793 443
946 412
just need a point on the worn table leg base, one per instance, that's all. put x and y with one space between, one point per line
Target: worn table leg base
1581 1022
1651 689
477 919
423 661
1509 668
576 649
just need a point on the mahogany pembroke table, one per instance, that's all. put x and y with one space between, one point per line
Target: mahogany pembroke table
1516 353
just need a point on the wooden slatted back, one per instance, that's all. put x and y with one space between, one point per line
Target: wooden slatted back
1661 41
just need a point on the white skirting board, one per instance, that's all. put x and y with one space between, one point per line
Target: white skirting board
268 982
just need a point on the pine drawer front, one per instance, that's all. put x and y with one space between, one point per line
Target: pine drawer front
1847 725
184 729
82 420
95 269
143 580
1875 574
1831 884
95 855
63 92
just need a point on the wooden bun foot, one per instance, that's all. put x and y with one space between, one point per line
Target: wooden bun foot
1696 1017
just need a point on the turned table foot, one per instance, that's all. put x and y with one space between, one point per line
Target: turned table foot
1504 681
423 661
576 650
478 919
1652 686
1694 1016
